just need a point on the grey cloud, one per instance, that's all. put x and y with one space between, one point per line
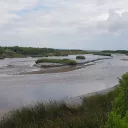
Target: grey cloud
115 22
93 24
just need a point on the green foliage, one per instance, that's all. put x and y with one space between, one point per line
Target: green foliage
115 121
92 113
80 57
116 51
36 52
60 54
102 54
118 117
67 61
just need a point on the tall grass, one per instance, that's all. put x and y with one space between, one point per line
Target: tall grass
92 113
118 117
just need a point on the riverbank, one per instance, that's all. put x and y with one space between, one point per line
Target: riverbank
54 70
79 99
58 114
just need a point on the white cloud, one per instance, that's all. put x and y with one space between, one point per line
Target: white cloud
64 23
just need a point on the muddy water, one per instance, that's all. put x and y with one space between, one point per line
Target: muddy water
20 90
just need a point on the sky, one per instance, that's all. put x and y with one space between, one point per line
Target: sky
72 24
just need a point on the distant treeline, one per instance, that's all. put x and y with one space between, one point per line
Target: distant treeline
17 51
116 51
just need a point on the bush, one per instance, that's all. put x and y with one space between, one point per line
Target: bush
67 61
118 117
80 57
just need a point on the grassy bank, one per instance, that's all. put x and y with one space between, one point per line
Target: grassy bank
99 111
92 113
118 117
80 57
102 54
61 61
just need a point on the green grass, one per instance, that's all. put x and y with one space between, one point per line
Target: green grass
60 54
92 113
80 57
61 61
13 55
102 54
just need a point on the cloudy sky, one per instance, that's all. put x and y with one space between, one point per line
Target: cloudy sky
83 24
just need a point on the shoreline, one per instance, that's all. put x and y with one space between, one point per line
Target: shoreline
79 99
63 68
74 101
55 70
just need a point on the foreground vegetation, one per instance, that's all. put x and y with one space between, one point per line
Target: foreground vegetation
61 61
91 114
80 57
118 117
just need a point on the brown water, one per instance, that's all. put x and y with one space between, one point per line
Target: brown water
20 90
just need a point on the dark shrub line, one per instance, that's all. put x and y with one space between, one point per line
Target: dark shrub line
80 57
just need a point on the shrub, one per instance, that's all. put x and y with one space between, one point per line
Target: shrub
118 117
80 57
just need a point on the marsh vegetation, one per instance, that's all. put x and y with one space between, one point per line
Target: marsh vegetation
60 61
92 113
102 54
80 57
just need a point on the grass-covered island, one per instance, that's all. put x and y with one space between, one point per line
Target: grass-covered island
80 57
98 111
60 61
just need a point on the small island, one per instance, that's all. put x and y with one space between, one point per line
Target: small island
55 66
57 61
80 57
